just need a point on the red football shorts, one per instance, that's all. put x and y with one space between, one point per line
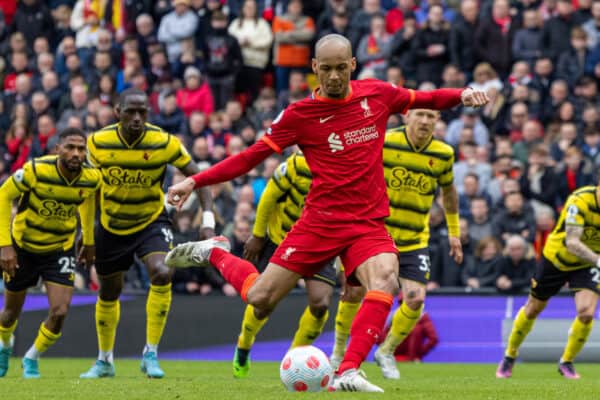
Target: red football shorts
306 248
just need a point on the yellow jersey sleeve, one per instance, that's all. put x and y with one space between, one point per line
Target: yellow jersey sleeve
447 177
91 152
24 179
277 186
284 175
8 192
180 157
576 210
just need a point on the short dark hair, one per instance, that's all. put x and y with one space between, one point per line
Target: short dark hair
71 132
591 130
479 198
471 175
102 52
130 92
513 193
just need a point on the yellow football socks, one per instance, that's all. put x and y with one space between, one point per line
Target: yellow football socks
107 319
6 333
343 321
521 328
403 321
44 339
250 328
157 311
309 328
578 334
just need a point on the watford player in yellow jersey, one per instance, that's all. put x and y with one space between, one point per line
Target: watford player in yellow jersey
51 191
133 157
278 209
570 256
415 165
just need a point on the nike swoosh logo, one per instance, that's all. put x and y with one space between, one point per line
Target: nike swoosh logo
323 120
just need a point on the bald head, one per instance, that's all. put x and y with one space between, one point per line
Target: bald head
333 64
332 43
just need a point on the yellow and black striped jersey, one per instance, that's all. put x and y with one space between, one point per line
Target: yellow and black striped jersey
581 209
46 219
132 195
412 177
282 201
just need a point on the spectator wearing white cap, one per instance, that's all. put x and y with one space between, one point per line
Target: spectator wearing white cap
196 94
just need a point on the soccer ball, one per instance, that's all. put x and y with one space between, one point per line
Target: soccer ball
305 369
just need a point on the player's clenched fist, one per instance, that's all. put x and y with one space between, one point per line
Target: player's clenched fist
8 260
179 192
474 98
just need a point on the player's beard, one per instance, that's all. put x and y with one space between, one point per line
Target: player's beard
72 165
336 91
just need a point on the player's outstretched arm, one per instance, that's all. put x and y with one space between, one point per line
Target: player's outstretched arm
441 99
8 257
224 171
450 200
577 247
206 201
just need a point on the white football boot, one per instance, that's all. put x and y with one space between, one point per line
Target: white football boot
195 254
387 363
353 380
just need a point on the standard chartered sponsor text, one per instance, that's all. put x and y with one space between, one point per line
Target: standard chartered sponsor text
361 135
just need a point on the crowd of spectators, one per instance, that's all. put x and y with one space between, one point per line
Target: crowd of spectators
217 73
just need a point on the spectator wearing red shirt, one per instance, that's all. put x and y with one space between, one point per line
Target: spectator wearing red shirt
545 221
196 95
419 342
18 66
217 134
8 7
574 172
394 19
18 144
46 129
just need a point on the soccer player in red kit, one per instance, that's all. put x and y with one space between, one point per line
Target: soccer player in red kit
340 129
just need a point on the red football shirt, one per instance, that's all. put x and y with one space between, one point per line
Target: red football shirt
342 141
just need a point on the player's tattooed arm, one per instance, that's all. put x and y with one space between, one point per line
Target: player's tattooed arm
577 247
450 199
206 201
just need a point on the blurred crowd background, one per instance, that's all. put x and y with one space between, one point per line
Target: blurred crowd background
217 73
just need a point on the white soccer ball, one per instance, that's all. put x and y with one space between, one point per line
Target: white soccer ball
305 369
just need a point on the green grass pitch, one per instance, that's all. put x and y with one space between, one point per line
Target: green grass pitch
213 380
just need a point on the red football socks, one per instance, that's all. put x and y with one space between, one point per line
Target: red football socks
366 328
241 274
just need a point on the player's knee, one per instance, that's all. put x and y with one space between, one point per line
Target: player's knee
110 292
585 314
353 294
8 317
58 312
261 314
161 277
261 300
386 281
417 301
319 309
